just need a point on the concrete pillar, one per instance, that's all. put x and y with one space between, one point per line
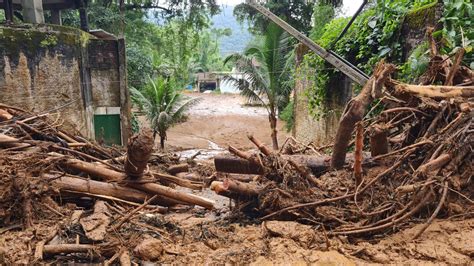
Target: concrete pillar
56 17
33 11
8 7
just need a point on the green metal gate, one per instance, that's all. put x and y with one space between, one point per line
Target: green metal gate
107 129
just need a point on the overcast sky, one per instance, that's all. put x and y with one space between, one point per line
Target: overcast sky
349 8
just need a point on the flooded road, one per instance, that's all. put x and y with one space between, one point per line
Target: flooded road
217 121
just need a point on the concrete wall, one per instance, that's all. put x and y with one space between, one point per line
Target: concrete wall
321 129
40 71
47 67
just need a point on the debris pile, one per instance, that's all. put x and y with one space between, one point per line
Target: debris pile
49 178
418 164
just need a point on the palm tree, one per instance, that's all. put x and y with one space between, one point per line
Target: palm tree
163 105
263 67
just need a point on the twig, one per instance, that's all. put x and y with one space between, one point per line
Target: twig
435 213
130 214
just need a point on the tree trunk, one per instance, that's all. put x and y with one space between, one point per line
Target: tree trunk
162 142
273 126
139 149
355 110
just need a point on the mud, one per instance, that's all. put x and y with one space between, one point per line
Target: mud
219 120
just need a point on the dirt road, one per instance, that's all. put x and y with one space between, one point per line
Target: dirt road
219 120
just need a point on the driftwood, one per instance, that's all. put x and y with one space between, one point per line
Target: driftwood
316 164
92 187
153 188
355 110
178 168
139 149
178 180
436 91
240 188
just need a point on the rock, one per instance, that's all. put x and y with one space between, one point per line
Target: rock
150 249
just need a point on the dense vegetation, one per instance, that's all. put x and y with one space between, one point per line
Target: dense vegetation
376 33
164 38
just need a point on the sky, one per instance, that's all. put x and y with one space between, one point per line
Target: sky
349 7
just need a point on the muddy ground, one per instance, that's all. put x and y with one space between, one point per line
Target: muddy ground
193 235
219 120
204 237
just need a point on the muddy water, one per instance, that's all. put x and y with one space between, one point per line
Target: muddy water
217 121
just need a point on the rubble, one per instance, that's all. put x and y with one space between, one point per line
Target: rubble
46 171
420 164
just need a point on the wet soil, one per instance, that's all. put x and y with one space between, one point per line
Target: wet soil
219 120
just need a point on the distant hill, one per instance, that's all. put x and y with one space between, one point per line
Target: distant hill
240 35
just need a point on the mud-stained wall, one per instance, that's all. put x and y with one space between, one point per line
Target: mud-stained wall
65 70
320 126
39 71
105 77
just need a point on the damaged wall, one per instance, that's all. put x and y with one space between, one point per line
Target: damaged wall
321 128
47 67
39 71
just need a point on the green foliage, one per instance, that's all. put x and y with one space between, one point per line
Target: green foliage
297 13
288 115
416 64
163 104
135 124
458 31
139 65
375 34
174 40
263 66
318 93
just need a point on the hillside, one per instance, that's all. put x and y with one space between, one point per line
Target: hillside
240 35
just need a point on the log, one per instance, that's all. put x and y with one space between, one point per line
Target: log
178 181
5 115
95 170
260 145
231 164
186 198
178 168
139 149
92 187
435 164
7 141
68 249
111 175
219 189
378 140
190 176
316 164
240 188
434 91
355 110
125 259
